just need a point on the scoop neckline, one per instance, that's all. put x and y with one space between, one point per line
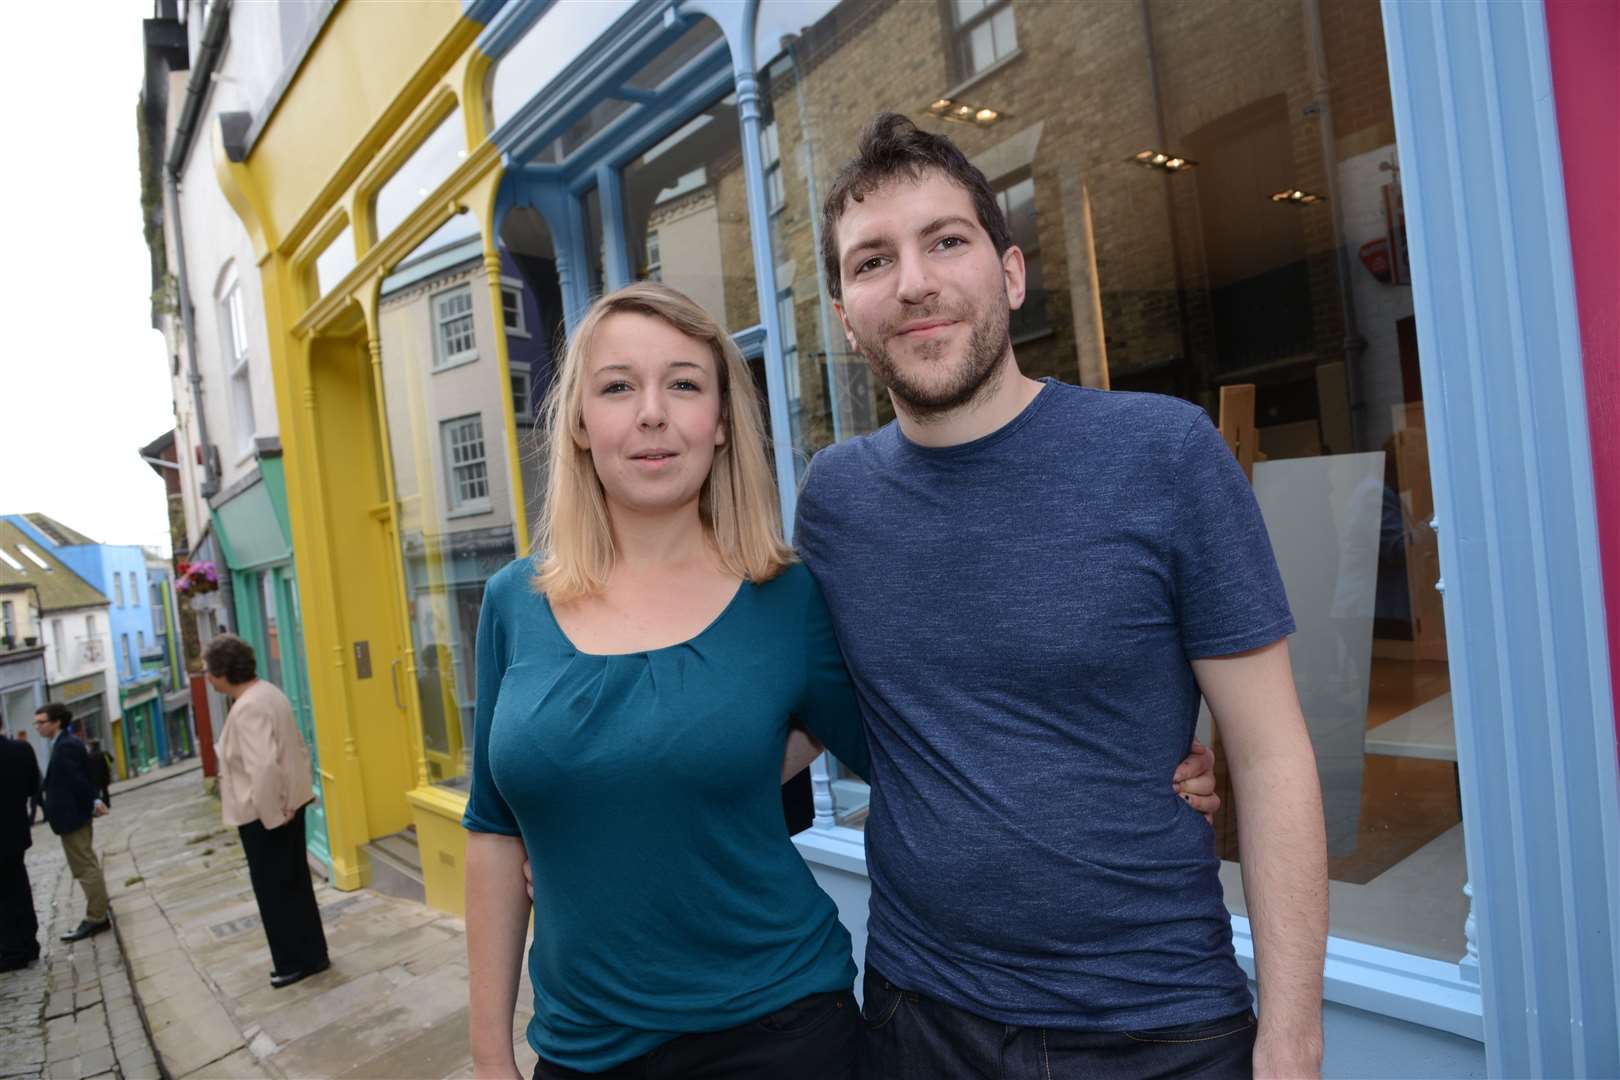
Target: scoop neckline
742 586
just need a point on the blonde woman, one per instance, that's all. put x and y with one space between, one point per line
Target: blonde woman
636 684
645 684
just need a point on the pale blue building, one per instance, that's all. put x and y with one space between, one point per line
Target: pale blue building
120 572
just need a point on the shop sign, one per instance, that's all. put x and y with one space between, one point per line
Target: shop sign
78 688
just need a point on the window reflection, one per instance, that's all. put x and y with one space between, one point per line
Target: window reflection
429 165
686 208
1193 282
532 313
444 404
334 262
564 31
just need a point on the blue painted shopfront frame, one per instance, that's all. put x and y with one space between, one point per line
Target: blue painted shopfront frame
1505 406
556 191
1504 392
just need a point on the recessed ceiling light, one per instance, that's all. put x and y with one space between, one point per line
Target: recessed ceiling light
1160 159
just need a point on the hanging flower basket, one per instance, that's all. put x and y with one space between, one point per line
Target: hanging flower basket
196 578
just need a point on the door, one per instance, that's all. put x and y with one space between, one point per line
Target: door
281 596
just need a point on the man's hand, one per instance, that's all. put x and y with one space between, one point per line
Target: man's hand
101 809
1194 781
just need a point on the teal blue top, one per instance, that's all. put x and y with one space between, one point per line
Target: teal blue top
646 788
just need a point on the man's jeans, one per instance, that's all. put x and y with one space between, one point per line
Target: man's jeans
79 847
911 1037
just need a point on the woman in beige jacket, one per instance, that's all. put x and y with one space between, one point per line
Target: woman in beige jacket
264 785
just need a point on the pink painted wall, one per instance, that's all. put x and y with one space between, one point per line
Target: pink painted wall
1584 38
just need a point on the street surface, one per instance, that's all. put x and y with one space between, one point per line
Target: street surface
182 982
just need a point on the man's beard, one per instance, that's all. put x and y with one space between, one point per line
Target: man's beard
965 378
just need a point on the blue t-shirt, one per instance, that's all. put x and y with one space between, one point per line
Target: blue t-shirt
647 790
1018 614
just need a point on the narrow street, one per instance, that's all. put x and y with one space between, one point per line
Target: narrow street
180 987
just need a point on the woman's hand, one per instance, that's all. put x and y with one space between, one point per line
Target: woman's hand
1194 781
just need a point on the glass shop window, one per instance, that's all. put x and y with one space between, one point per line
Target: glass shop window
334 262
455 515
686 213
1201 220
429 165
532 284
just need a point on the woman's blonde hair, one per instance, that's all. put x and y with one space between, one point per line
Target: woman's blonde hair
573 538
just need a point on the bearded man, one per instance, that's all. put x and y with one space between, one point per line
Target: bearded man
1033 584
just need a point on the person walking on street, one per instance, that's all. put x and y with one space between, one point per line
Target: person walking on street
264 786
101 772
71 807
19 788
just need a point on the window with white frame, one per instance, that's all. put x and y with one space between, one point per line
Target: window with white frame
233 331
129 662
140 643
8 620
157 610
771 144
512 311
118 588
59 641
466 472
1017 202
89 626
985 33
655 258
455 340
521 409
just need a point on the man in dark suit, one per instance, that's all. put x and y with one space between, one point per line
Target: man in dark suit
71 807
19 786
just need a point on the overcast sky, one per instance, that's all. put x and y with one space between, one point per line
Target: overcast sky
83 376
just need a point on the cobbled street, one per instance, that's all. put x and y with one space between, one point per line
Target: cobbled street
180 987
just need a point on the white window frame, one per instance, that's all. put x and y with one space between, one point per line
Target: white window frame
8 619
453 470
514 290
655 257
520 401
129 661
775 192
118 587
59 641
443 358
238 365
964 27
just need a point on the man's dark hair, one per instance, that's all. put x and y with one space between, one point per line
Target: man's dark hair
892 147
230 658
56 712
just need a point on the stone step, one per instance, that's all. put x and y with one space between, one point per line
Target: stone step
396 866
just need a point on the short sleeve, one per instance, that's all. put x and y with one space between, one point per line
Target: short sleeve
828 708
486 810
1229 594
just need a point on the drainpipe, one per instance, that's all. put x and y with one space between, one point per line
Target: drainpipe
831 336
196 91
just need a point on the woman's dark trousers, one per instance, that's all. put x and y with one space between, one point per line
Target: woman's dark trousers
286 896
